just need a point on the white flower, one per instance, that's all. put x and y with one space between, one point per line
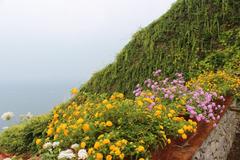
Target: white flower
7 116
67 154
47 145
7 159
6 127
27 116
55 144
75 146
82 154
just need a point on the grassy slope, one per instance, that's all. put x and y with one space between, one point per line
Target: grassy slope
193 34
190 34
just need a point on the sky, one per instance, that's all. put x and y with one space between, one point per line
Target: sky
58 41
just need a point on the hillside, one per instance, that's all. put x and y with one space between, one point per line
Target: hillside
194 35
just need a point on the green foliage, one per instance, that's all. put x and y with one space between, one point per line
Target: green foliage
20 138
227 56
113 122
193 36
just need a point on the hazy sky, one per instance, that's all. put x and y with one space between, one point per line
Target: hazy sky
67 40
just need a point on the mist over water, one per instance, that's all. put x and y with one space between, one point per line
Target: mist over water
35 98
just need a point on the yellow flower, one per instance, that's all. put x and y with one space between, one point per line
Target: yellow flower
149 100
109 123
50 131
184 136
96 145
120 95
80 120
157 113
121 156
140 149
87 138
90 151
58 129
55 137
83 145
185 127
117 152
139 103
141 159
105 101
96 123
172 111
55 116
157 99
65 132
159 107
102 124
74 126
124 141
74 91
194 123
63 126
180 131
178 119
170 115
86 127
189 128
168 141
161 127
76 113
106 141
38 141
109 157
99 156
113 97
112 148
55 122
109 106
119 143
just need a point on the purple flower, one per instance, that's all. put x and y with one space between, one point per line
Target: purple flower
165 95
150 107
171 97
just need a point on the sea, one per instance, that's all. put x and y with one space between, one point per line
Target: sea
36 98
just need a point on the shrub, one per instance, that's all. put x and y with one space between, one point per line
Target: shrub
20 138
116 127
221 82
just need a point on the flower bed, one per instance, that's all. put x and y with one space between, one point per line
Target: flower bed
165 113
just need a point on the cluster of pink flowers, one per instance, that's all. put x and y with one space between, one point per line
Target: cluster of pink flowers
167 88
200 105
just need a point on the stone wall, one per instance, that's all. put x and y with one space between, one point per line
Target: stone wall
220 140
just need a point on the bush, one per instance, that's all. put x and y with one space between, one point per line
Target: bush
20 138
221 82
113 126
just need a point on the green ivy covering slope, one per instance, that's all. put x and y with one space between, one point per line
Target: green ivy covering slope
194 35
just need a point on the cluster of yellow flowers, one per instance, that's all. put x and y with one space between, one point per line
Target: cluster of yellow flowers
220 82
166 113
187 128
89 124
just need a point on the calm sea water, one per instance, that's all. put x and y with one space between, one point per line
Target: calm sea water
35 98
